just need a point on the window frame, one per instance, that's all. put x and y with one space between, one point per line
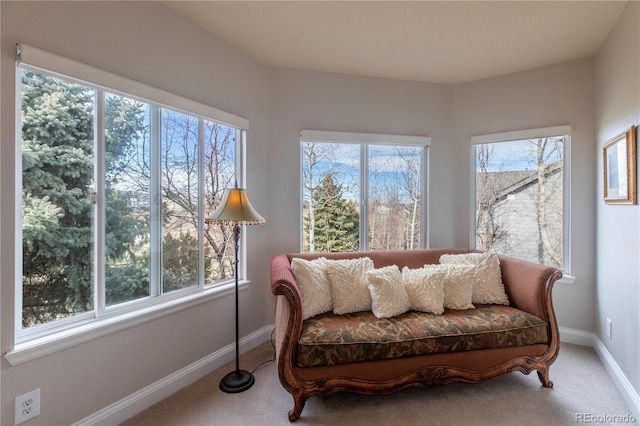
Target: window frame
365 140
42 339
566 183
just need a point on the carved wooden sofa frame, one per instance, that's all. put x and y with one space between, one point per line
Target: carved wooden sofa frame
528 285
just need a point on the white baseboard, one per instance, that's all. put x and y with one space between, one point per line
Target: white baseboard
577 337
629 394
584 338
135 403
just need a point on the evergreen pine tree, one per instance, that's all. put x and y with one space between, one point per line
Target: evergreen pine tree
337 219
57 177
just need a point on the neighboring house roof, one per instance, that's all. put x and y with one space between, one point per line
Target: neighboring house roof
530 180
515 181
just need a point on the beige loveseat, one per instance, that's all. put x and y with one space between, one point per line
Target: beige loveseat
359 352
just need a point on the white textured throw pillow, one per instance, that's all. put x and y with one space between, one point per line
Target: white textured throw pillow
425 288
314 286
388 296
349 286
458 285
488 286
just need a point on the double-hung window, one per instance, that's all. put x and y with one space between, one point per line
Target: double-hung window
114 179
521 197
363 191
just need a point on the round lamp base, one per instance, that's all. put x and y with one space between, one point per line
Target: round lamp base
237 381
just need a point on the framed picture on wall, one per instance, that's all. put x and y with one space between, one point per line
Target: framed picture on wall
619 157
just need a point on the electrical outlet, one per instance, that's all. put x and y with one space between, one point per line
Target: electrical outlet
27 406
609 328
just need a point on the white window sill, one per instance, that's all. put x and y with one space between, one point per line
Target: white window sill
567 279
36 348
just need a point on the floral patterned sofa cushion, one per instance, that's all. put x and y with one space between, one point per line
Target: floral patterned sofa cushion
330 339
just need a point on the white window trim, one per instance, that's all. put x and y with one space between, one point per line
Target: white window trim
364 140
566 176
51 62
69 332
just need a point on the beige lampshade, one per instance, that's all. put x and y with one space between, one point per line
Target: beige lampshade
235 208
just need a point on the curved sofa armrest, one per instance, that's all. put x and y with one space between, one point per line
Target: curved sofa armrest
288 319
282 275
283 283
529 285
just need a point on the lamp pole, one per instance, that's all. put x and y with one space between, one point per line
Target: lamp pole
236 237
238 380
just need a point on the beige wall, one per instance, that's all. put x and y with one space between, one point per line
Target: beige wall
146 42
618 236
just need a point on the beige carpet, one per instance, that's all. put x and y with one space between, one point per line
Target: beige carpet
581 388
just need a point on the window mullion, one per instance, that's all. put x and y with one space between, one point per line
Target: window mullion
424 197
364 197
98 200
156 203
473 197
566 203
240 160
241 178
201 203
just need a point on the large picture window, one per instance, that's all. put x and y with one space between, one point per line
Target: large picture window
521 194
362 191
114 189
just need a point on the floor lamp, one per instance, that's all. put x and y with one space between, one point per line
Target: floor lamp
235 210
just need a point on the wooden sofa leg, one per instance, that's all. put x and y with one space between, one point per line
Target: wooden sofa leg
543 375
298 405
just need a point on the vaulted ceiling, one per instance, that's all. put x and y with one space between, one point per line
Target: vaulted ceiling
433 41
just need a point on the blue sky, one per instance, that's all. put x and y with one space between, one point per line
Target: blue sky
384 165
513 155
